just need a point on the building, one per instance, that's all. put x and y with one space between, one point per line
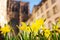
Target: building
47 9
32 17
24 11
3 12
17 10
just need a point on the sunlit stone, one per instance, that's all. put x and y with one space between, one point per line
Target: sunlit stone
3 12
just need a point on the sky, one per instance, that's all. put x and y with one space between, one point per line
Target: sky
32 3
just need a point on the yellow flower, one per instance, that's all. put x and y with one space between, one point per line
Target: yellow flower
34 27
58 23
23 27
28 29
55 27
40 22
47 33
23 24
43 28
5 29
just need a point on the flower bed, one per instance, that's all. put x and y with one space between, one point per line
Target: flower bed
36 31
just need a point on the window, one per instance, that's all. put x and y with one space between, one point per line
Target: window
42 16
25 9
41 10
50 24
57 19
46 5
15 8
36 9
37 13
53 1
48 14
55 10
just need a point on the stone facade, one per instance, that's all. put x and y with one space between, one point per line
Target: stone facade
18 10
24 11
3 11
47 9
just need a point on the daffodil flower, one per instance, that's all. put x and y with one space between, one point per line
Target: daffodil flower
23 27
28 29
47 33
34 28
5 29
55 27
40 22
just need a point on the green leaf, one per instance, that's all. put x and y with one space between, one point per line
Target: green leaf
22 36
54 36
30 36
59 36
12 38
6 37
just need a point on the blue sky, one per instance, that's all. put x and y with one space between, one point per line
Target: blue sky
32 3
